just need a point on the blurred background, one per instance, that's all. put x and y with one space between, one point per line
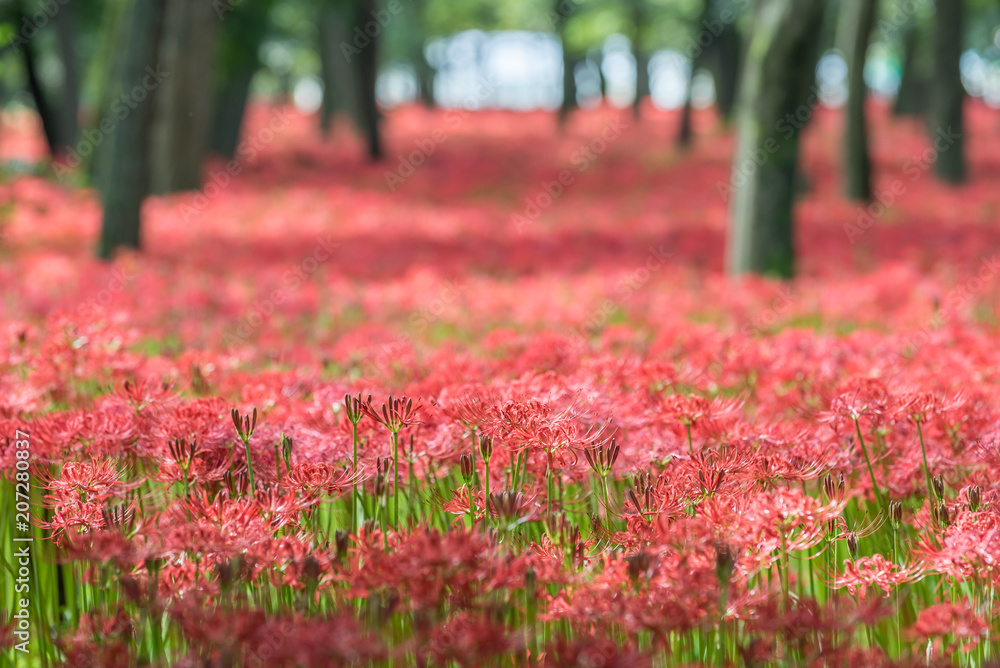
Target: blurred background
168 83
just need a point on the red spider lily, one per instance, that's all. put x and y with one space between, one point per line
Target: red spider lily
395 415
874 571
307 478
950 620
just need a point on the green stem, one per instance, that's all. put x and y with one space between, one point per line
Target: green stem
868 461
931 493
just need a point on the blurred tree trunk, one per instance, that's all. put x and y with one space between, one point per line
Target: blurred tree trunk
726 62
367 75
777 97
858 19
948 93
569 87
229 110
686 133
423 70
242 32
126 165
911 98
340 84
183 110
65 26
639 19
569 62
47 112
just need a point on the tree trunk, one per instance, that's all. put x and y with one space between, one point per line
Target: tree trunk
127 163
569 87
774 107
641 81
948 94
368 72
183 116
856 29
230 107
911 98
727 57
423 70
686 132
43 105
241 33
639 19
65 25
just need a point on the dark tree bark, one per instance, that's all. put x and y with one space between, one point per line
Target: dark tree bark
777 99
422 68
47 113
911 98
569 62
685 133
242 32
726 69
639 19
368 73
127 165
65 26
856 28
229 110
948 94
569 87
183 110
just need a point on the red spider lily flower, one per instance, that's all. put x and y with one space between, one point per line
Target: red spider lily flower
95 480
307 478
395 415
950 620
874 571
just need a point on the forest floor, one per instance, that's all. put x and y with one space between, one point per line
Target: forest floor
545 291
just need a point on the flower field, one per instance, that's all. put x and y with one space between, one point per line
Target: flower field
495 402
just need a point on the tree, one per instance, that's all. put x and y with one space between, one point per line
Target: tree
639 20
569 63
240 38
183 108
126 165
777 98
858 19
368 73
725 57
52 129
948 94
911 98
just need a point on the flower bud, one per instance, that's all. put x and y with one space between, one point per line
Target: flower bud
975 497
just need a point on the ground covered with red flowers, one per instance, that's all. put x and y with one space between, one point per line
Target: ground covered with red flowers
495 402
